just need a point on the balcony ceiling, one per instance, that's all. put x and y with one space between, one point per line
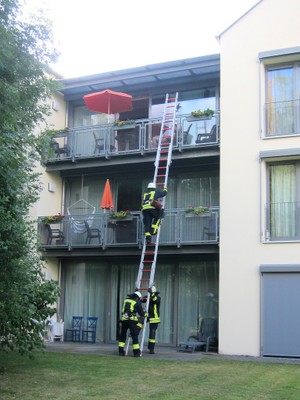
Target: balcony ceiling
180 72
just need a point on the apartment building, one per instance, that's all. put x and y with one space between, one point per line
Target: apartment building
259 182
241 162
95 255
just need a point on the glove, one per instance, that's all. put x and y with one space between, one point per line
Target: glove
165 189
146 315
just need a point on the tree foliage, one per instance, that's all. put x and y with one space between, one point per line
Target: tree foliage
26 299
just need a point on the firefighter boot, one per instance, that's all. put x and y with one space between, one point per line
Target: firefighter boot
151 345
137 353
148 237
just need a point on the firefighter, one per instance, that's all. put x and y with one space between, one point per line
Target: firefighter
153 317
131 311
151 214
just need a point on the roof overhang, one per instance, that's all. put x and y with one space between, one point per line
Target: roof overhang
147 77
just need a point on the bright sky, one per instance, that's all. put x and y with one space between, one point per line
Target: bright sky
97 36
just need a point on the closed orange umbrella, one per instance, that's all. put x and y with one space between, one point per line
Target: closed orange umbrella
107 200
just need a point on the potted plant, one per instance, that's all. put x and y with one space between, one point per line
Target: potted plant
53 219
198 210
120 215
122 124
199 114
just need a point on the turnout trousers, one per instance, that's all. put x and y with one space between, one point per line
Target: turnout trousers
152 334
134 332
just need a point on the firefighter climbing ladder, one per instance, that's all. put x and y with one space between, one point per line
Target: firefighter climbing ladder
146 273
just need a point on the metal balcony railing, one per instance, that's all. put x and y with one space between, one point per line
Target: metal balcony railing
282 118
282 221
100 230
109 140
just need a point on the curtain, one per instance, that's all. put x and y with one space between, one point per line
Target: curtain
198 296
89 188
85 293
283 206
200 190
280 98
188 293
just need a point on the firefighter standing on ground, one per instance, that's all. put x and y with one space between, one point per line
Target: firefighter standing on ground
152 215
153 317
131 310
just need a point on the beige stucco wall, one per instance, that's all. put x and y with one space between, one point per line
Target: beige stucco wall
50 203
270 25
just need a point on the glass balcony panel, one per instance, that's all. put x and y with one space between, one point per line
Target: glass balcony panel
99 230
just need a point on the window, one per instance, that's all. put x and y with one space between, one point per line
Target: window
282 94
282 208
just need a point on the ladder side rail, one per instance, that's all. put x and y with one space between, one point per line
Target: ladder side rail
168 124
151 281
158 153
171 120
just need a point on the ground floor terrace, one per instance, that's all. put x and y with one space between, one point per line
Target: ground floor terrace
93 287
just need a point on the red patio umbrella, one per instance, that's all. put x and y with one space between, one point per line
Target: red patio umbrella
108 102
107 200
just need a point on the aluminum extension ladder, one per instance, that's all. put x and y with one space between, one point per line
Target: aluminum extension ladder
146 272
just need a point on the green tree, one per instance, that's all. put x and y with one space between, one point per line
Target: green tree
26 299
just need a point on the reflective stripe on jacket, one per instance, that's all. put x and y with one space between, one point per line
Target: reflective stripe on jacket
131 309
151 195
154 306
147 200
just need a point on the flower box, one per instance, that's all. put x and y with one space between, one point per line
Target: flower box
123 219
193 215
123 127
198 211
53 219
203 118
121 216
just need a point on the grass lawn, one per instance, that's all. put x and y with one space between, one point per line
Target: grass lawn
62 376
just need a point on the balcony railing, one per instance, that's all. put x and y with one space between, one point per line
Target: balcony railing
282 118
110 140
282 221
100 230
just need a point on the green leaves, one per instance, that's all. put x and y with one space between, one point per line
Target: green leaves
25 297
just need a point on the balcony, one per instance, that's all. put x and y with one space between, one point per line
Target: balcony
140 137
101 231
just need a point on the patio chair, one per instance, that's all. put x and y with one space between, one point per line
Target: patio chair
74 333
54 234
209 137
90 331
65 149
99 145
205 338
210 232
57 331
92 233
186 136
